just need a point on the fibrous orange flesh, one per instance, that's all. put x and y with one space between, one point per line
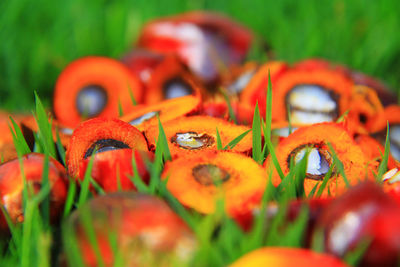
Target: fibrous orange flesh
199 133
101 133
237 179
145 116
109 84
318 136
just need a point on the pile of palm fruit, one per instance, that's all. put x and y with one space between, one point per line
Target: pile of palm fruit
329 134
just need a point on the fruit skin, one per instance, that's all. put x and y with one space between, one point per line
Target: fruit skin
363 213
112 165
286 257
11 186
146 230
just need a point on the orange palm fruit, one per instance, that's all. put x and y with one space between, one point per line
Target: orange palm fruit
146 230
373 150
256 90
207 42
188 135
311 96
314 140
171 79
287 257
385 94
199 180
145 116
101 135
12 185
365 108
378 127
113 169
94 87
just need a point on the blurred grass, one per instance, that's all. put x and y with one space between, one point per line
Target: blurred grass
38 39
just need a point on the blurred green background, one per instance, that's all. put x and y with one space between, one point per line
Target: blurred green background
39 38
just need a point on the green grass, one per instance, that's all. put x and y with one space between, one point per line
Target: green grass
40 38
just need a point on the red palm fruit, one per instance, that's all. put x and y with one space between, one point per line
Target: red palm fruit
314 139
94 87
12 185
287 257
363 214
146 231
207 42
101 135
113 169
189 135
145 116
256 90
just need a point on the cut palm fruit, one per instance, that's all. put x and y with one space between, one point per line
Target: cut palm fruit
256 90
239 77
311 96
287 257
192 134
384 93
145 116
378 129
373 151
313 141
130 229
365 108
171 79
199 180
113 170
12 186
98 135
94 87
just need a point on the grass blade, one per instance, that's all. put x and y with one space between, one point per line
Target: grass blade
256 132
235 141
18 138
219 141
